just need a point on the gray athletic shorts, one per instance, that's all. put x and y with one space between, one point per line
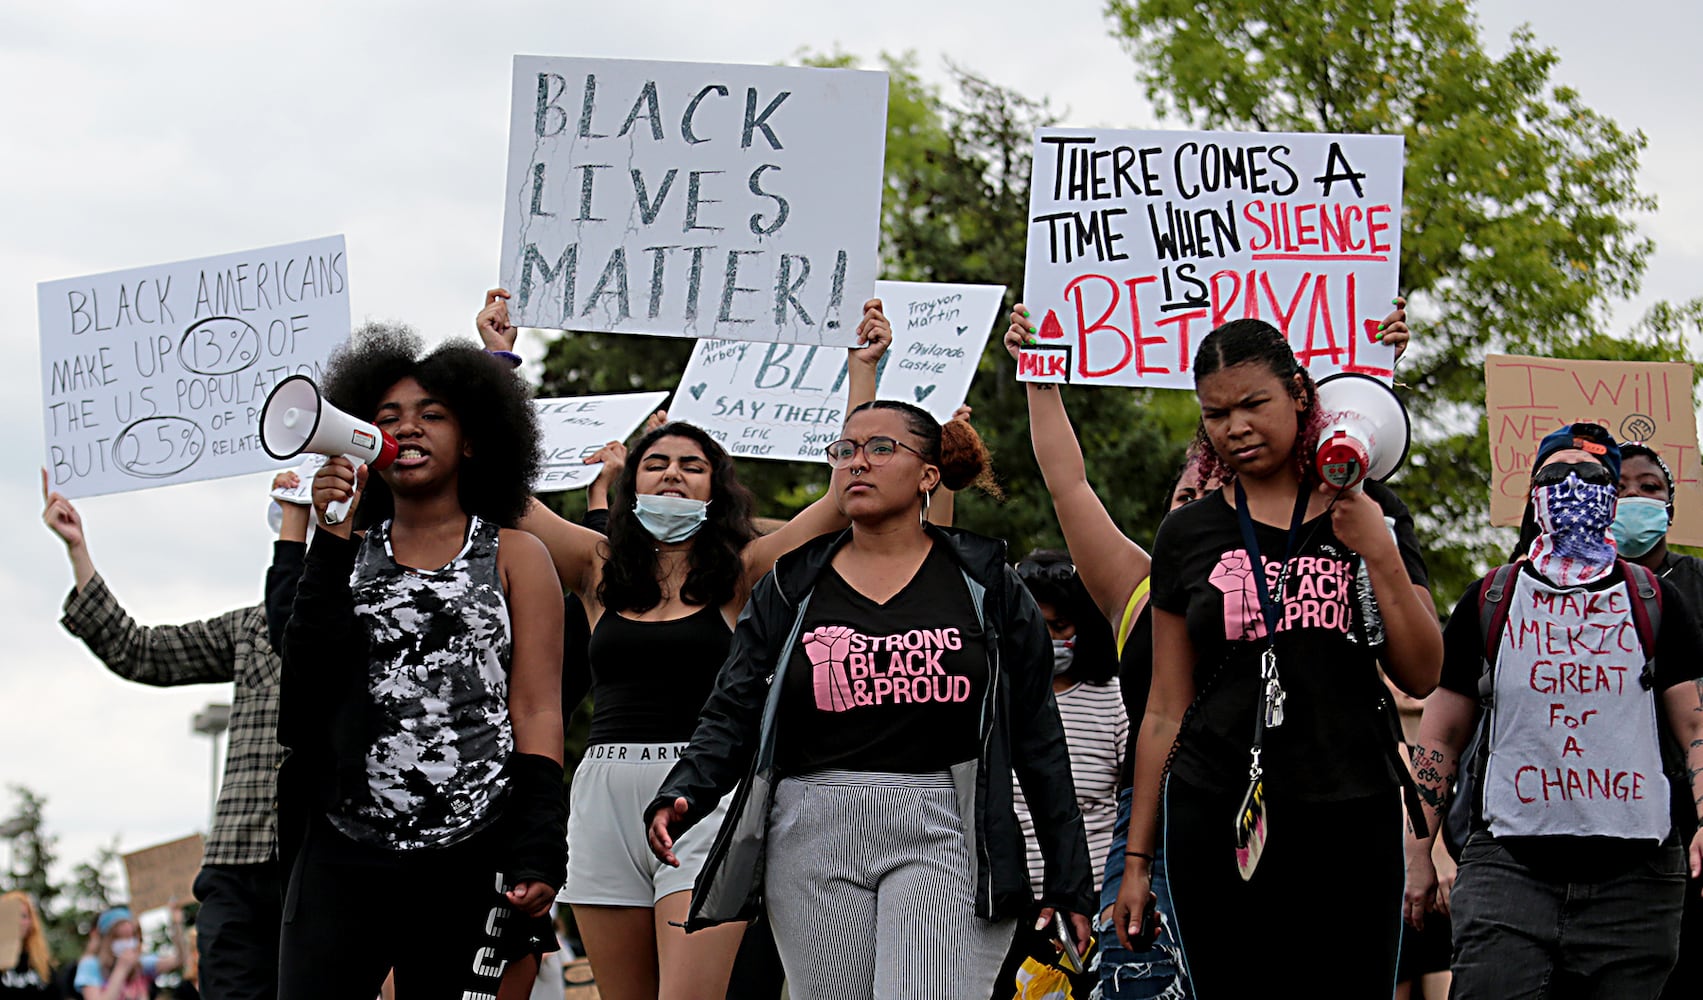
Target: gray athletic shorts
609 861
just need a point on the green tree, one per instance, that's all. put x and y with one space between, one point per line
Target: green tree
67 909
1517 230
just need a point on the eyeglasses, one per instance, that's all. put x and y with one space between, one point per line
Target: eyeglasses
878 450
1594 473
1058 572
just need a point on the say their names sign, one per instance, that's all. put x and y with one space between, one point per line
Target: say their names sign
157 375
1143 242
693 199
1647 401
787 401
576 428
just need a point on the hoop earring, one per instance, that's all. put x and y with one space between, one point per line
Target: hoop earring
924 518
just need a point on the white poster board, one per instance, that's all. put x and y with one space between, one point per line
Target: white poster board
575 428
693 199
1142 242
787 402
156 375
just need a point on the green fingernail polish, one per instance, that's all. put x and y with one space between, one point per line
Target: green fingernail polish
1395 302
1025 314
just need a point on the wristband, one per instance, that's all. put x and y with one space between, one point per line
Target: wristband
511 357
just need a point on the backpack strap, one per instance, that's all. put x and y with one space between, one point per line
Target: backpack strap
1493 597
1646 594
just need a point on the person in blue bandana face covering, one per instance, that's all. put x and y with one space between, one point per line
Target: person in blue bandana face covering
1574 870
1641 533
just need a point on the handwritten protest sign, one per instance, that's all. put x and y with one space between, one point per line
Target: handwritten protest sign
159 874
693 199
787 402
575 428
1648 401
156 375
1142 242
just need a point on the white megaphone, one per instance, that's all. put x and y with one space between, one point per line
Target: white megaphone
297 419
1367 432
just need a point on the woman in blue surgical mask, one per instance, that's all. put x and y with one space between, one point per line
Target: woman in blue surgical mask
1641 522
662 592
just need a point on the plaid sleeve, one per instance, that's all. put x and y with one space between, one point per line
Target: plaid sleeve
162 655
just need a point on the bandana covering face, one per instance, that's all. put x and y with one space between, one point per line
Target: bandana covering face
1573 518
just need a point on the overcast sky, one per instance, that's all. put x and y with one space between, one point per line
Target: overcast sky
144 133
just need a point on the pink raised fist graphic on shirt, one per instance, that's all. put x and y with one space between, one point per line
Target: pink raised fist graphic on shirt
1234 578
828 648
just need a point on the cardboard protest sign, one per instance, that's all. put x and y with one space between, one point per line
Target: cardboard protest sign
156 375
11 933
159 874
1648 401
1142 242
693 199
787 402
576 428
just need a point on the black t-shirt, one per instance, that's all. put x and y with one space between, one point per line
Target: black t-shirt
1678 660
892 687
23 981
649 680
1333 743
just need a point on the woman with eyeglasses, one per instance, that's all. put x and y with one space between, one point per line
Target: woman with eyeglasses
662 592
883 685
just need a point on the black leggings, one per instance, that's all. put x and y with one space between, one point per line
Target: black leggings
1326 895
438 917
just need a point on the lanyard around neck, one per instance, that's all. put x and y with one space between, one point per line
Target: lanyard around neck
1270 610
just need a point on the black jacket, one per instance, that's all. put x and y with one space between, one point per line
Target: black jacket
735 740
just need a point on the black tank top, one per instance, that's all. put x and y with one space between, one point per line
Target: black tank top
649 680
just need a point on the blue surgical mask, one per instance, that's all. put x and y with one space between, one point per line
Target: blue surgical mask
1064 654
670 519
123 946
1639 523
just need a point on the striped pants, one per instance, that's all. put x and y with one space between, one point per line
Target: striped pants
871 890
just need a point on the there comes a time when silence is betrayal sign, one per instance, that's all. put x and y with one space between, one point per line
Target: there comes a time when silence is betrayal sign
1142 242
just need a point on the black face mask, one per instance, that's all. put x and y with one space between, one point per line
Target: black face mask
1594 473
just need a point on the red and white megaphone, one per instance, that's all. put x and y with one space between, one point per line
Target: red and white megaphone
297 419
1367 432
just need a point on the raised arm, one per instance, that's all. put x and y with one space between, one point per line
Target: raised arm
161 655
863 364
573 548
1110 565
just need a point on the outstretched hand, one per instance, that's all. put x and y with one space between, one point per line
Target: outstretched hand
1393 330
664 826
874 335
495 331
1020 333
58 514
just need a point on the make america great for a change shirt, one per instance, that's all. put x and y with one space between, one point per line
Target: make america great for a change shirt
1333 744
894 686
